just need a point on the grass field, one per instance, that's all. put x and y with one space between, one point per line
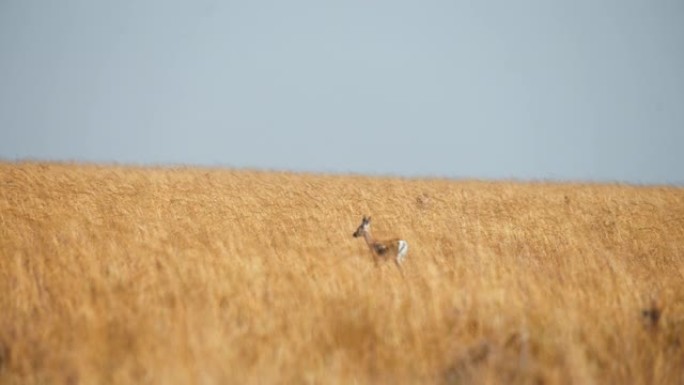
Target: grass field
123 275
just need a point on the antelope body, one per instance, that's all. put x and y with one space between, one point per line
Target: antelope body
392 248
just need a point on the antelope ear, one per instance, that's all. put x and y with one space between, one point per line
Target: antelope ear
368 220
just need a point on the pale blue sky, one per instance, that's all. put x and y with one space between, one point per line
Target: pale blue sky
573 90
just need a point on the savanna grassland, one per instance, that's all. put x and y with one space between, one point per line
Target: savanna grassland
125 275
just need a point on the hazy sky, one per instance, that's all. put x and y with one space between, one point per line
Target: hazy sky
573 90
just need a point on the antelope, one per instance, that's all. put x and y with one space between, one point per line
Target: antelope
393 248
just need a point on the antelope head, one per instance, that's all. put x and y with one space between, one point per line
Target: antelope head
363 228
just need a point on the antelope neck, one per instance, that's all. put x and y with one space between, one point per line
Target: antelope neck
368 238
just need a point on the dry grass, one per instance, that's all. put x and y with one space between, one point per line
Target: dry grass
134 276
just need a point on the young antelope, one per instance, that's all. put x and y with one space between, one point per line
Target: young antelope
393 248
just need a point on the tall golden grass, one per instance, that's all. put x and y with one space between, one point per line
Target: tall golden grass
180 276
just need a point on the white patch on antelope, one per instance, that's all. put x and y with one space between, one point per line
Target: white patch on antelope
393 248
